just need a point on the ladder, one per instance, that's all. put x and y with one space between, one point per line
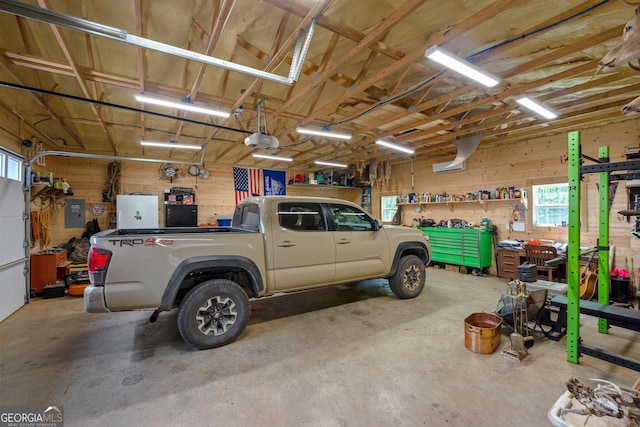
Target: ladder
365 199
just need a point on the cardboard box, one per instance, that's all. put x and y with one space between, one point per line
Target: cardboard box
450 267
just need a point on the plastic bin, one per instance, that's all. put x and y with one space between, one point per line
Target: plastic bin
560 418
224 219
619 291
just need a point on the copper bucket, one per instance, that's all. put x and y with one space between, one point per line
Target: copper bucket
482 332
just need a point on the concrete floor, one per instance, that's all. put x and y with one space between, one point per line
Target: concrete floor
341 356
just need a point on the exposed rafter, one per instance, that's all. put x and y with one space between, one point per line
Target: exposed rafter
365 72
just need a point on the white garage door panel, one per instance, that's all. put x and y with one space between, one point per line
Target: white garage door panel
12 290
13 286
11 232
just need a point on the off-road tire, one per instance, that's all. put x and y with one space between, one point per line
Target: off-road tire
213 313
409 278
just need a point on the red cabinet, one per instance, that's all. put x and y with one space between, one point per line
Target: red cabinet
44 269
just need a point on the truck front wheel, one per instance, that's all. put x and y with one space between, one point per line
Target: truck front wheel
408 280
213 313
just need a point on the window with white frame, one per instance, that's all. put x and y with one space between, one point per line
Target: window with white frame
3 160
14 168
389 208
550 204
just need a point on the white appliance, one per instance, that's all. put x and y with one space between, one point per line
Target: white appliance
137 211
261 140
443 167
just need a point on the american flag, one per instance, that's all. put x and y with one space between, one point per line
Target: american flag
246 182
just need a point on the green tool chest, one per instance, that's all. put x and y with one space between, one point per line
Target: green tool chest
470 247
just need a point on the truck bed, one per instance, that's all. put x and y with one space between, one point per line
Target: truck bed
172 230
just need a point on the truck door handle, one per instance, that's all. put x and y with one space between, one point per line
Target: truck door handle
286 244
343 241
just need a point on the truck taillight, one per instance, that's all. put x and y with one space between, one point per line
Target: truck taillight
98 262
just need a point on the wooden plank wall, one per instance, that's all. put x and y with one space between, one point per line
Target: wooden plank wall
214 195
523 165
520 165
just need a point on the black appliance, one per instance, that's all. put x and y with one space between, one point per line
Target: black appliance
181 215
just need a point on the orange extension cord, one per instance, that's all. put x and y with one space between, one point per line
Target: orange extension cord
35 227
45 235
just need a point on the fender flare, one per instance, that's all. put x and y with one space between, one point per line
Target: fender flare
190 265
419 248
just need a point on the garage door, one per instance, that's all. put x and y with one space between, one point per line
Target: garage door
13 282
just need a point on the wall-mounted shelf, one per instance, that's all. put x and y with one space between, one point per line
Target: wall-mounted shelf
451 204
299 184
45 191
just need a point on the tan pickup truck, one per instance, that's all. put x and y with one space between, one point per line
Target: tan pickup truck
275 244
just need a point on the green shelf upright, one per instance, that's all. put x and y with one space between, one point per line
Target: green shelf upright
603 239
573 251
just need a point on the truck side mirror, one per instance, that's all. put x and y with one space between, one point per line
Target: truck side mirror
376 225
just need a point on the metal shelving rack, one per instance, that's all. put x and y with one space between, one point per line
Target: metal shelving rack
602 166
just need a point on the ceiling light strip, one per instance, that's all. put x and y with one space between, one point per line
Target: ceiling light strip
181 106
537 107
336 165
122 107
395 146
461 66
171 145
323 132
268 157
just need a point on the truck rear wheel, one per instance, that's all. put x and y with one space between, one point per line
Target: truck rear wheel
213 313
408 280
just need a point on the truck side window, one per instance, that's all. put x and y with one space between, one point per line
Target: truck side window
348 218
301 216
247 216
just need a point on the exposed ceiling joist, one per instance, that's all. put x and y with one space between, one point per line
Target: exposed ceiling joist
364 72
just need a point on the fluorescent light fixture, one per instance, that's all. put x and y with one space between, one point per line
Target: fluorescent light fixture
461 66
268 157
337 165
394 146
537 107
324 132
171 145
181 106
